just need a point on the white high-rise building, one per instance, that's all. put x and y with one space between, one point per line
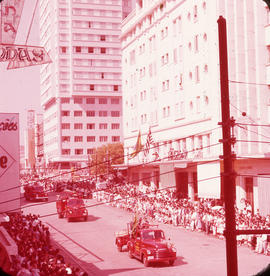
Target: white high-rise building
171 84
81 91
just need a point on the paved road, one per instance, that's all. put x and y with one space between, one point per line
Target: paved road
92 245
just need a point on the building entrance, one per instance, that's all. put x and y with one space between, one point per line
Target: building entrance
181 179
249 191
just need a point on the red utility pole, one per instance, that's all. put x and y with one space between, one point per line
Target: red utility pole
228 175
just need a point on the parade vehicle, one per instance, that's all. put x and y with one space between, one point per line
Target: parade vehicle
146 243
70 206
35 192
122 238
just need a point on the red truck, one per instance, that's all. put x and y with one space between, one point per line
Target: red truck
148 244
71 207
35 192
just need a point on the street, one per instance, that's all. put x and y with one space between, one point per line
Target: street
92 245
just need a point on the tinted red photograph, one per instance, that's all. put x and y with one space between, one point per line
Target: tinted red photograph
135 137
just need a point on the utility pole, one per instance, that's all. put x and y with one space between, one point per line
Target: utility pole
96 166
228 175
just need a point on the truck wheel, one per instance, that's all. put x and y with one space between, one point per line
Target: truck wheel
130 253
145 260
171 262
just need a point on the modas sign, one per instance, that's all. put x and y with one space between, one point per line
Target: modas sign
20 56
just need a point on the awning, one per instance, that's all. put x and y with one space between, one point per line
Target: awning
180 165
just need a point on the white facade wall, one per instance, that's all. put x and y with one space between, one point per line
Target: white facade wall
188 54
171 79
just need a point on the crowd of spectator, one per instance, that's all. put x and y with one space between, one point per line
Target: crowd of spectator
204 215
38 257
36 254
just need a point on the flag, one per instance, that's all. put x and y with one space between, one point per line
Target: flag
138 147
149 141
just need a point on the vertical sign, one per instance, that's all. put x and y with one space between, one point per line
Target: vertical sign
31 137
9 162
11 11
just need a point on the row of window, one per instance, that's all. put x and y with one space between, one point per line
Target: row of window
87 87
78 100
92 12
165 85
86 62
96 75
156 14
91 50
102 2
89 138
89 24
165 57
90 113
196 106
89 126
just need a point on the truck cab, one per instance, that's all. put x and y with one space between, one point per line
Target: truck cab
149 245
35 192
72 207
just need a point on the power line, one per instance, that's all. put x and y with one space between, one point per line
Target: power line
262 125
31 23
250 141
253 131
139 165
250 83
116 158
142 194
238 124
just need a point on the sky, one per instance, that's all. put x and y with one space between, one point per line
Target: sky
19 88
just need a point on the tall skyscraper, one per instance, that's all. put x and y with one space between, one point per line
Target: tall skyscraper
81 91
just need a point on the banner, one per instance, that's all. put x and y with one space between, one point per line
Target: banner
20 56
138 146
11 11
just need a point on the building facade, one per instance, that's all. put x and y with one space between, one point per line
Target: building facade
81 91
171 86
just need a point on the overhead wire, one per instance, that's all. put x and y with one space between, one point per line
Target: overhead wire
250 83
151 162
132 182
119 157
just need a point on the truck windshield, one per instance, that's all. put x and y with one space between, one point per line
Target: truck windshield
153 235
38 188
75 202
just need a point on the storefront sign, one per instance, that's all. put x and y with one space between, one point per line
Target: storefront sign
9 162
20 56
11 11
176 155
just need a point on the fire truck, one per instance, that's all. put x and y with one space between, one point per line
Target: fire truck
146 243
70 206
35 192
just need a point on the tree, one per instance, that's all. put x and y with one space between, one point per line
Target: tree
106 156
